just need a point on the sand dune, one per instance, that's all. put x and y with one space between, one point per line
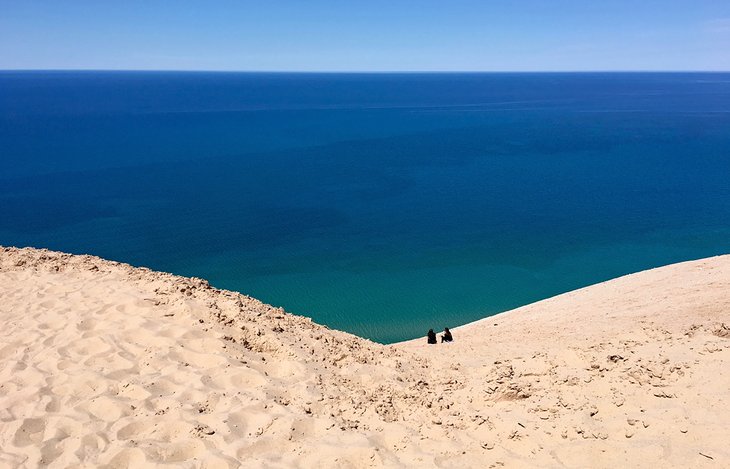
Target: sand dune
103 364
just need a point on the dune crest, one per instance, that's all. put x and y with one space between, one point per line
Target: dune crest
104 364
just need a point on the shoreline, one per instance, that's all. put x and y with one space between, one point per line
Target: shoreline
103 363
463 327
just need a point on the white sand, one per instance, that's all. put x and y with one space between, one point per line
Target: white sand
105 364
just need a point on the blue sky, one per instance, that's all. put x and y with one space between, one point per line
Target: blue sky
373 35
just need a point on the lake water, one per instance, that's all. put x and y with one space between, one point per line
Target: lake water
380 204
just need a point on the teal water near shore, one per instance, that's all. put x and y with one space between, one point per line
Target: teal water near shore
383 205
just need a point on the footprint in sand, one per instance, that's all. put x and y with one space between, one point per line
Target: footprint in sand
177 452
108 363
104 408
90 447
136 430
48 304
244 378
53 448
127 458
250 422
30 432
87 324
199 360
83 348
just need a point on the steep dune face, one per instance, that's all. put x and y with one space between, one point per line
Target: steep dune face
102 363
627 373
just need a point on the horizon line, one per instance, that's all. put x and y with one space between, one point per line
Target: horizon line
383 72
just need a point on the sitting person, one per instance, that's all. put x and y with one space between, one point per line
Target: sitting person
431 336
447 336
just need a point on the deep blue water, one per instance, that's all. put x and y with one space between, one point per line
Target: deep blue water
381 204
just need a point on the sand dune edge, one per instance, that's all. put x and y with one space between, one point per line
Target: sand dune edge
104 364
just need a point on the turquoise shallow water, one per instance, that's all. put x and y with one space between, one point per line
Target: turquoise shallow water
383 205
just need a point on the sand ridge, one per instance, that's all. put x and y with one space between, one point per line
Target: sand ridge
104 364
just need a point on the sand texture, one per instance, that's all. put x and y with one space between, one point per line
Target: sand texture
107 365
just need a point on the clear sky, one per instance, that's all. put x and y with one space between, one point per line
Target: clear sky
368 35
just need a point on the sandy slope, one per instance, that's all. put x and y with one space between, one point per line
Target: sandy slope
105 364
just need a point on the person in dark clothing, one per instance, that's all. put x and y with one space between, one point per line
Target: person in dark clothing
431 336
447 336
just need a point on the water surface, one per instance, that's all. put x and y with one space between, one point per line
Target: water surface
381 204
